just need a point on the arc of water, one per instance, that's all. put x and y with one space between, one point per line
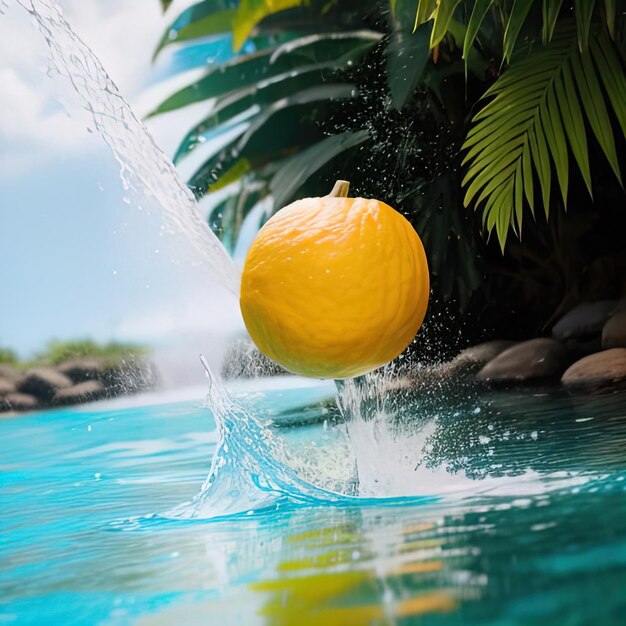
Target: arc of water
143 166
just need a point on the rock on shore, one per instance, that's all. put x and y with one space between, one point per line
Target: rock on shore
535 360
597 371
73 382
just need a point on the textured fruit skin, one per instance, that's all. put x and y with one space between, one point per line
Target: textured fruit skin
334 287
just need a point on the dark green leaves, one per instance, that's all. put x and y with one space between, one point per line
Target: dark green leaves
260 95
479 13
296 170
407 55
330 50
517 17
538 111
584 13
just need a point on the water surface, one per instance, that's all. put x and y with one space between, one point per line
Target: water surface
523 523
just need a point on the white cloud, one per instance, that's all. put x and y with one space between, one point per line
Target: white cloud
39 117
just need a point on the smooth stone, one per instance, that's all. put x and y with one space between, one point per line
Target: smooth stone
529 361
603 369
82 392
6 386
614 331
587 318
19 402
80 370
8 372
44 382
475 357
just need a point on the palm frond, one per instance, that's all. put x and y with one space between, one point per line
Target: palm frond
515 14
537 111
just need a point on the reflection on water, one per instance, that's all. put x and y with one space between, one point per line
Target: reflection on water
544 544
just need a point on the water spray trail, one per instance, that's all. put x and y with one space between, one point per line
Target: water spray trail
143 167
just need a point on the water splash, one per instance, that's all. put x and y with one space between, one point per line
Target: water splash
247 473
144 169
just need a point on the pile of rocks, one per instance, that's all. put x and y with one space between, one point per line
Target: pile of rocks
587 351
73 382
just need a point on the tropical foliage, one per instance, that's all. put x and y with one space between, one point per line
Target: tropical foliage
564 75
432 105
112 353
8 356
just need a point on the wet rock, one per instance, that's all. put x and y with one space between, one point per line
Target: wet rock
536 360
43 383
9 372
584 320
596 371
474 358
6 386
614 331
80 370
19 402
82 392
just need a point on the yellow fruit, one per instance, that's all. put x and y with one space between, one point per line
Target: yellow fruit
334 287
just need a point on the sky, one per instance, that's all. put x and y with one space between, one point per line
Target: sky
75 259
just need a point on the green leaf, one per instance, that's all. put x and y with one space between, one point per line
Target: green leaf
503 210
479 12
573 122
519 197
584 13
297 169
541 160
527 173
260 95
284 128
550 13
199 20
227 216
443 15
555 136
594 107
233 174
610 9
537 112
165 4
517 17
610 70
328 50
407 55
251 12
424 12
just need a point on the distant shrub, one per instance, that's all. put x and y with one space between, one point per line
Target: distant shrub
8 357
111 353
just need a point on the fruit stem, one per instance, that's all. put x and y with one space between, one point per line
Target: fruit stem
340 190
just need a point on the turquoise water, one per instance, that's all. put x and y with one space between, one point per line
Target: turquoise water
523 519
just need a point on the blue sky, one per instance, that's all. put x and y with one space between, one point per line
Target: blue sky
75 259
